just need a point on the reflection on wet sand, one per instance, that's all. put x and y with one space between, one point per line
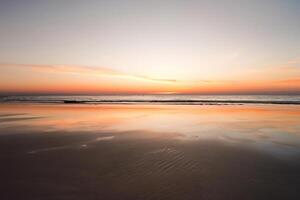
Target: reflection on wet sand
149 152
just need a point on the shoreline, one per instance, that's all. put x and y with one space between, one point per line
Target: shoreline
157 102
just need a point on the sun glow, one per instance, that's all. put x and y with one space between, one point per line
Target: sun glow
70 79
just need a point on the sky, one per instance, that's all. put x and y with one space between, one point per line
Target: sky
149 47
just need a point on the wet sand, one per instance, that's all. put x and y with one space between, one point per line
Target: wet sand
149 152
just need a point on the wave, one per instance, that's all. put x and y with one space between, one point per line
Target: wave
183 102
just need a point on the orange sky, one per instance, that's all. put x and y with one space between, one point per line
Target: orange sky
72 79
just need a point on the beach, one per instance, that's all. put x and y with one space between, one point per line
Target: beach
149 100
78 151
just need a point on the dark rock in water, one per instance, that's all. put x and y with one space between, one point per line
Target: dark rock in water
72 101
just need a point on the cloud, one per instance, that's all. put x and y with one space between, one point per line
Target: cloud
290 81
158 79
295 61
91 70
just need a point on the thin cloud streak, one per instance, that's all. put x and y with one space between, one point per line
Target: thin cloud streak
92 70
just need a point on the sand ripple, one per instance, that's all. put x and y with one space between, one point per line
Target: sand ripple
160 165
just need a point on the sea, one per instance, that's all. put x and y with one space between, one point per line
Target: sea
155 99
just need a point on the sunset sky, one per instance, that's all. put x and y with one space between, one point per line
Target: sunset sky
149 47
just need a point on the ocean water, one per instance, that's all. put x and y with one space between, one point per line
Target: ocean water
158 99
